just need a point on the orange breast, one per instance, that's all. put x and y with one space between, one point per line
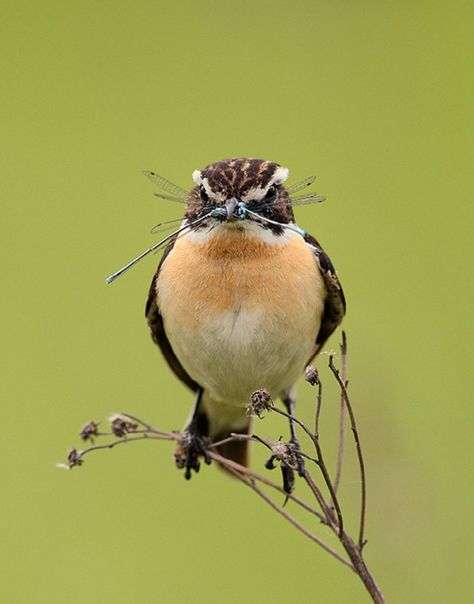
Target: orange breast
232 270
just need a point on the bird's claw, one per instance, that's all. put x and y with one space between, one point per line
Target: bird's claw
190 449
295 445
290 458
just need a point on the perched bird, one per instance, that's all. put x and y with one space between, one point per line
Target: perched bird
242 299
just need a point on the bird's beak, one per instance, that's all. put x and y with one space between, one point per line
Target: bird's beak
230 206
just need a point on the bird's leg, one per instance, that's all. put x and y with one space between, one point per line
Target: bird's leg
287 472
288 476
289 401
192 445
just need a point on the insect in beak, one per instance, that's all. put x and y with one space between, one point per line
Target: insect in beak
230 206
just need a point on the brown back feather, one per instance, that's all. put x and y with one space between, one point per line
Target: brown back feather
335 303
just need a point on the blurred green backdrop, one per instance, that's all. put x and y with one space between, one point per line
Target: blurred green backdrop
370 96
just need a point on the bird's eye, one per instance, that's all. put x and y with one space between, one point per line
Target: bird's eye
204 195
271 194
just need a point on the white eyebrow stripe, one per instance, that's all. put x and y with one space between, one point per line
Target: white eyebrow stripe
258 192
207 188
202 182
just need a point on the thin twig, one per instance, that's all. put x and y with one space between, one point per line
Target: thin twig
229 464
319 400
146 425
355 554
331 513
361 541
331 520
310 457
321 464
295 419
290 518
240 437
122 441
342 408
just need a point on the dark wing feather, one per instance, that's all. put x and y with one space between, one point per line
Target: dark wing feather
335 303
158 334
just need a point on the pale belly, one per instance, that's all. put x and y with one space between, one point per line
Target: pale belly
241 314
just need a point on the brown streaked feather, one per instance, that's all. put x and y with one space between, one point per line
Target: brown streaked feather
335 303
158 334
233 176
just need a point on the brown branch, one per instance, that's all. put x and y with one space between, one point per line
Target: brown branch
355 554
331 520
320 460
128 428
147 426
342 408
319 401
228 464
361 541
290 518
75 457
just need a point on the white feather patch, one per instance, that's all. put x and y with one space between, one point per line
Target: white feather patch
251 228
280 175
197 177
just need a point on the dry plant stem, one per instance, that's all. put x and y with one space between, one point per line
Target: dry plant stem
249 478
355 554
331 513
353 551
250 482
229 464
342 423
319 401
147 426
330 518
360 458
320 462
143 436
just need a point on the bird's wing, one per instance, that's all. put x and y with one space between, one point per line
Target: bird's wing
158 334
335 304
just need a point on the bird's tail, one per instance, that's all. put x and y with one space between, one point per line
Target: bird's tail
237 451
222 420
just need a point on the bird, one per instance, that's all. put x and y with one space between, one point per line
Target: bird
242 299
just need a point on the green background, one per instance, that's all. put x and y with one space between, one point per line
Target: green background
370 96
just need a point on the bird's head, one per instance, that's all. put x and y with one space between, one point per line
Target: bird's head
241 189
242 193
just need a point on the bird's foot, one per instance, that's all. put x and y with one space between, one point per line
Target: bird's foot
295 446
290 458
188 452
287 474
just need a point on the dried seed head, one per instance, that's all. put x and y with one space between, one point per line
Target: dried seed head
284 452
74 458
121 425
311 375
260 401
89 431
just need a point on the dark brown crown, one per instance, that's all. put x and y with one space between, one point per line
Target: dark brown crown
247 180
234 177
